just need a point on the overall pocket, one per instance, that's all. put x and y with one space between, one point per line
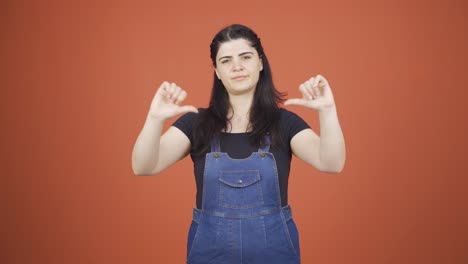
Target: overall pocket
191 237
292 236
240 189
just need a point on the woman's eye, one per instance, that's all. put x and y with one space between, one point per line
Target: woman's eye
224 61
246 57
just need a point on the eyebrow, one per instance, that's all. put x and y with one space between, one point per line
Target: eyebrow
241 54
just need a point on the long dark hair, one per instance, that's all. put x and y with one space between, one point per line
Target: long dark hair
265 109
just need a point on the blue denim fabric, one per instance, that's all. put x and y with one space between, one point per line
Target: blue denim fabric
241 220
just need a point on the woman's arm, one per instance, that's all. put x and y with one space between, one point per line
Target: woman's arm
327 153
152 152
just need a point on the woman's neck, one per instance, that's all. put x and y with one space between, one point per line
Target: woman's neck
239 113
240 105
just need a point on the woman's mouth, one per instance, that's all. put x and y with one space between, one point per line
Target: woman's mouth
238 78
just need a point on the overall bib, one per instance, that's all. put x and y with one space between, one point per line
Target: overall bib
241 220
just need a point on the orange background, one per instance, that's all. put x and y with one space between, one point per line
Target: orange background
77 80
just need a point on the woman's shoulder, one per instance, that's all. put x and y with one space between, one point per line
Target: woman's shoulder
186 121
285 111
191 116
286 115
291 123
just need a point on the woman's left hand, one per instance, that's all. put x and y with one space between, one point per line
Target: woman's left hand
316 94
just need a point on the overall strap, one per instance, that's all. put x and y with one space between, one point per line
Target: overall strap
265 148
215 147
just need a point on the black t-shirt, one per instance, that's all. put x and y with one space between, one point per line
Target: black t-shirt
238 146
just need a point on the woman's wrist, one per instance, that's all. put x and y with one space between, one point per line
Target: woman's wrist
328 109
152 119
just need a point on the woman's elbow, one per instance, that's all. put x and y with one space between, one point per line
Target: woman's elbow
143 172
334 169
137 172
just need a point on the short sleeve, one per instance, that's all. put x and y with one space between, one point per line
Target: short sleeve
291 124
185 123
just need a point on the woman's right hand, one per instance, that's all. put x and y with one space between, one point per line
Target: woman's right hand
166 102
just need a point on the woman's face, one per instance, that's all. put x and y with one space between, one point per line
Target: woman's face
238 66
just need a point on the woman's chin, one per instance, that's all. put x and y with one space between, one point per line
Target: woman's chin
240 89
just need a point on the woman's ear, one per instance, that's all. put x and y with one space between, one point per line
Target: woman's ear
261 63
216 71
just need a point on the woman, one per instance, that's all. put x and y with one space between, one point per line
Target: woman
241 146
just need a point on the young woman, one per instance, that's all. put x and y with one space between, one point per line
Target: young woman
241 146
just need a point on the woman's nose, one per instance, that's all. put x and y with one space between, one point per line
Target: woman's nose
237 64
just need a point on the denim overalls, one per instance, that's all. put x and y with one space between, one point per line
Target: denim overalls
241 220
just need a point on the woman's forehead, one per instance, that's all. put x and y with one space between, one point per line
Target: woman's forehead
234 47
